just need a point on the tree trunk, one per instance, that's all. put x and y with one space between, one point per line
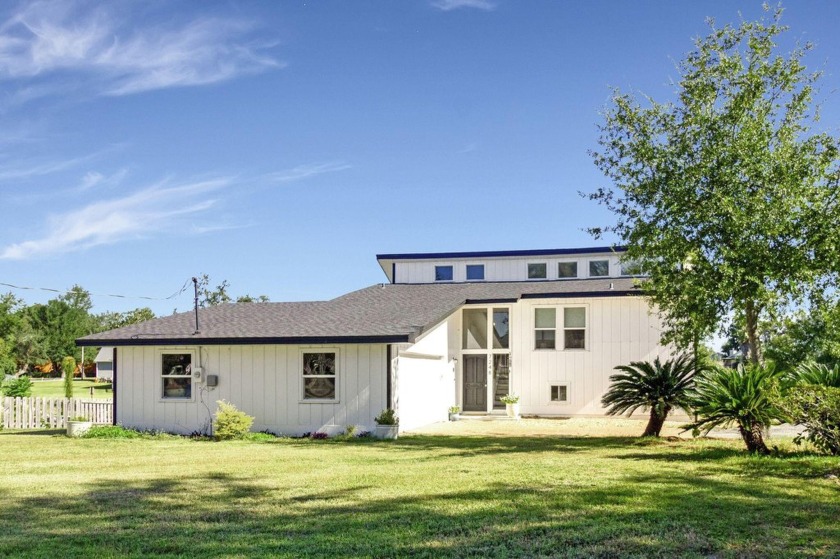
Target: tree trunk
753 438
751 315
654 426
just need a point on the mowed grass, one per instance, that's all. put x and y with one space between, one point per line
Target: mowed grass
419 496
54 388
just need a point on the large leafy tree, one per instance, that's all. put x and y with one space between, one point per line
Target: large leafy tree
59 322
724 193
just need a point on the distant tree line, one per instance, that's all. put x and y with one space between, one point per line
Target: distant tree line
35 339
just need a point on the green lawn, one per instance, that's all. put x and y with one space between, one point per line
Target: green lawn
54 388
419 496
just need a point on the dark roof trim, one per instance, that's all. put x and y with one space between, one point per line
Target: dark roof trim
501 253
489 301
245 341
582 294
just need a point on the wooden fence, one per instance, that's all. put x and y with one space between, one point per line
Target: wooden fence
52 413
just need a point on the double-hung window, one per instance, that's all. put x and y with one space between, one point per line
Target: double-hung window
571 327
574 328
319 375
176 375
545 324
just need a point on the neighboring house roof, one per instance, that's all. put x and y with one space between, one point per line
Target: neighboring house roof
382 313
105 355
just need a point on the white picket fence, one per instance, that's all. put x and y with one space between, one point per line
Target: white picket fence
52 413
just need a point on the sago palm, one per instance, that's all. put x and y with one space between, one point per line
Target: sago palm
744 397
817 373
659 387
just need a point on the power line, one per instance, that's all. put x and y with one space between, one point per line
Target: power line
118 296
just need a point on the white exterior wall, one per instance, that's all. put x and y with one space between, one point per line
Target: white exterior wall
264 381
499 269
425 379
619 330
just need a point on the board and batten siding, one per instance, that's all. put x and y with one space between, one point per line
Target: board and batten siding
264 381
498 269
619 330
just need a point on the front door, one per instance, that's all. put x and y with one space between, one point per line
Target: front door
475 383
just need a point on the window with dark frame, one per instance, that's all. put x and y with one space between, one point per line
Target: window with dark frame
475 272
443 273
319 375
537 271
567 270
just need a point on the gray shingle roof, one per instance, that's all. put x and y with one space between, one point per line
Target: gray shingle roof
379 313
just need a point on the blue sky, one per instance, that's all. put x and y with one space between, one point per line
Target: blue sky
281 146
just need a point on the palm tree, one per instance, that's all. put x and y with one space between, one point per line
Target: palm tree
743 396
658 386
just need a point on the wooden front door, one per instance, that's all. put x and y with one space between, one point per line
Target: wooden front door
475 383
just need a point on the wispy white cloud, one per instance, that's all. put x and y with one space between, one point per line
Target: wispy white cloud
153 210
57 38
305 171
448 5
93 179
29 169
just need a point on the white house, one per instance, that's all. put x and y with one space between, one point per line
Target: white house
105 363
447 329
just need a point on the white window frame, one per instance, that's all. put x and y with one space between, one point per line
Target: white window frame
560 327
451 269
467 272
534 328
337 376
193 364
565 402
528 275
589 267
577 269
585 328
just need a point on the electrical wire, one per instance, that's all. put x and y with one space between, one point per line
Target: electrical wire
62 292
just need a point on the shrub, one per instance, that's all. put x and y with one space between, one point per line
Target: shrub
319 436
18 387
509 399
351 430
387 417
112 432
231 423
817 408
68 367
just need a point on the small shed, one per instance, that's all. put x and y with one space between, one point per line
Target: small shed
105 363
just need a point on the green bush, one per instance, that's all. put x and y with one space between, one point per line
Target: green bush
230 422
817 408
17 387
387 417
112 432
68 366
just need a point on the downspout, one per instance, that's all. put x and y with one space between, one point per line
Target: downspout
114 387
388 386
